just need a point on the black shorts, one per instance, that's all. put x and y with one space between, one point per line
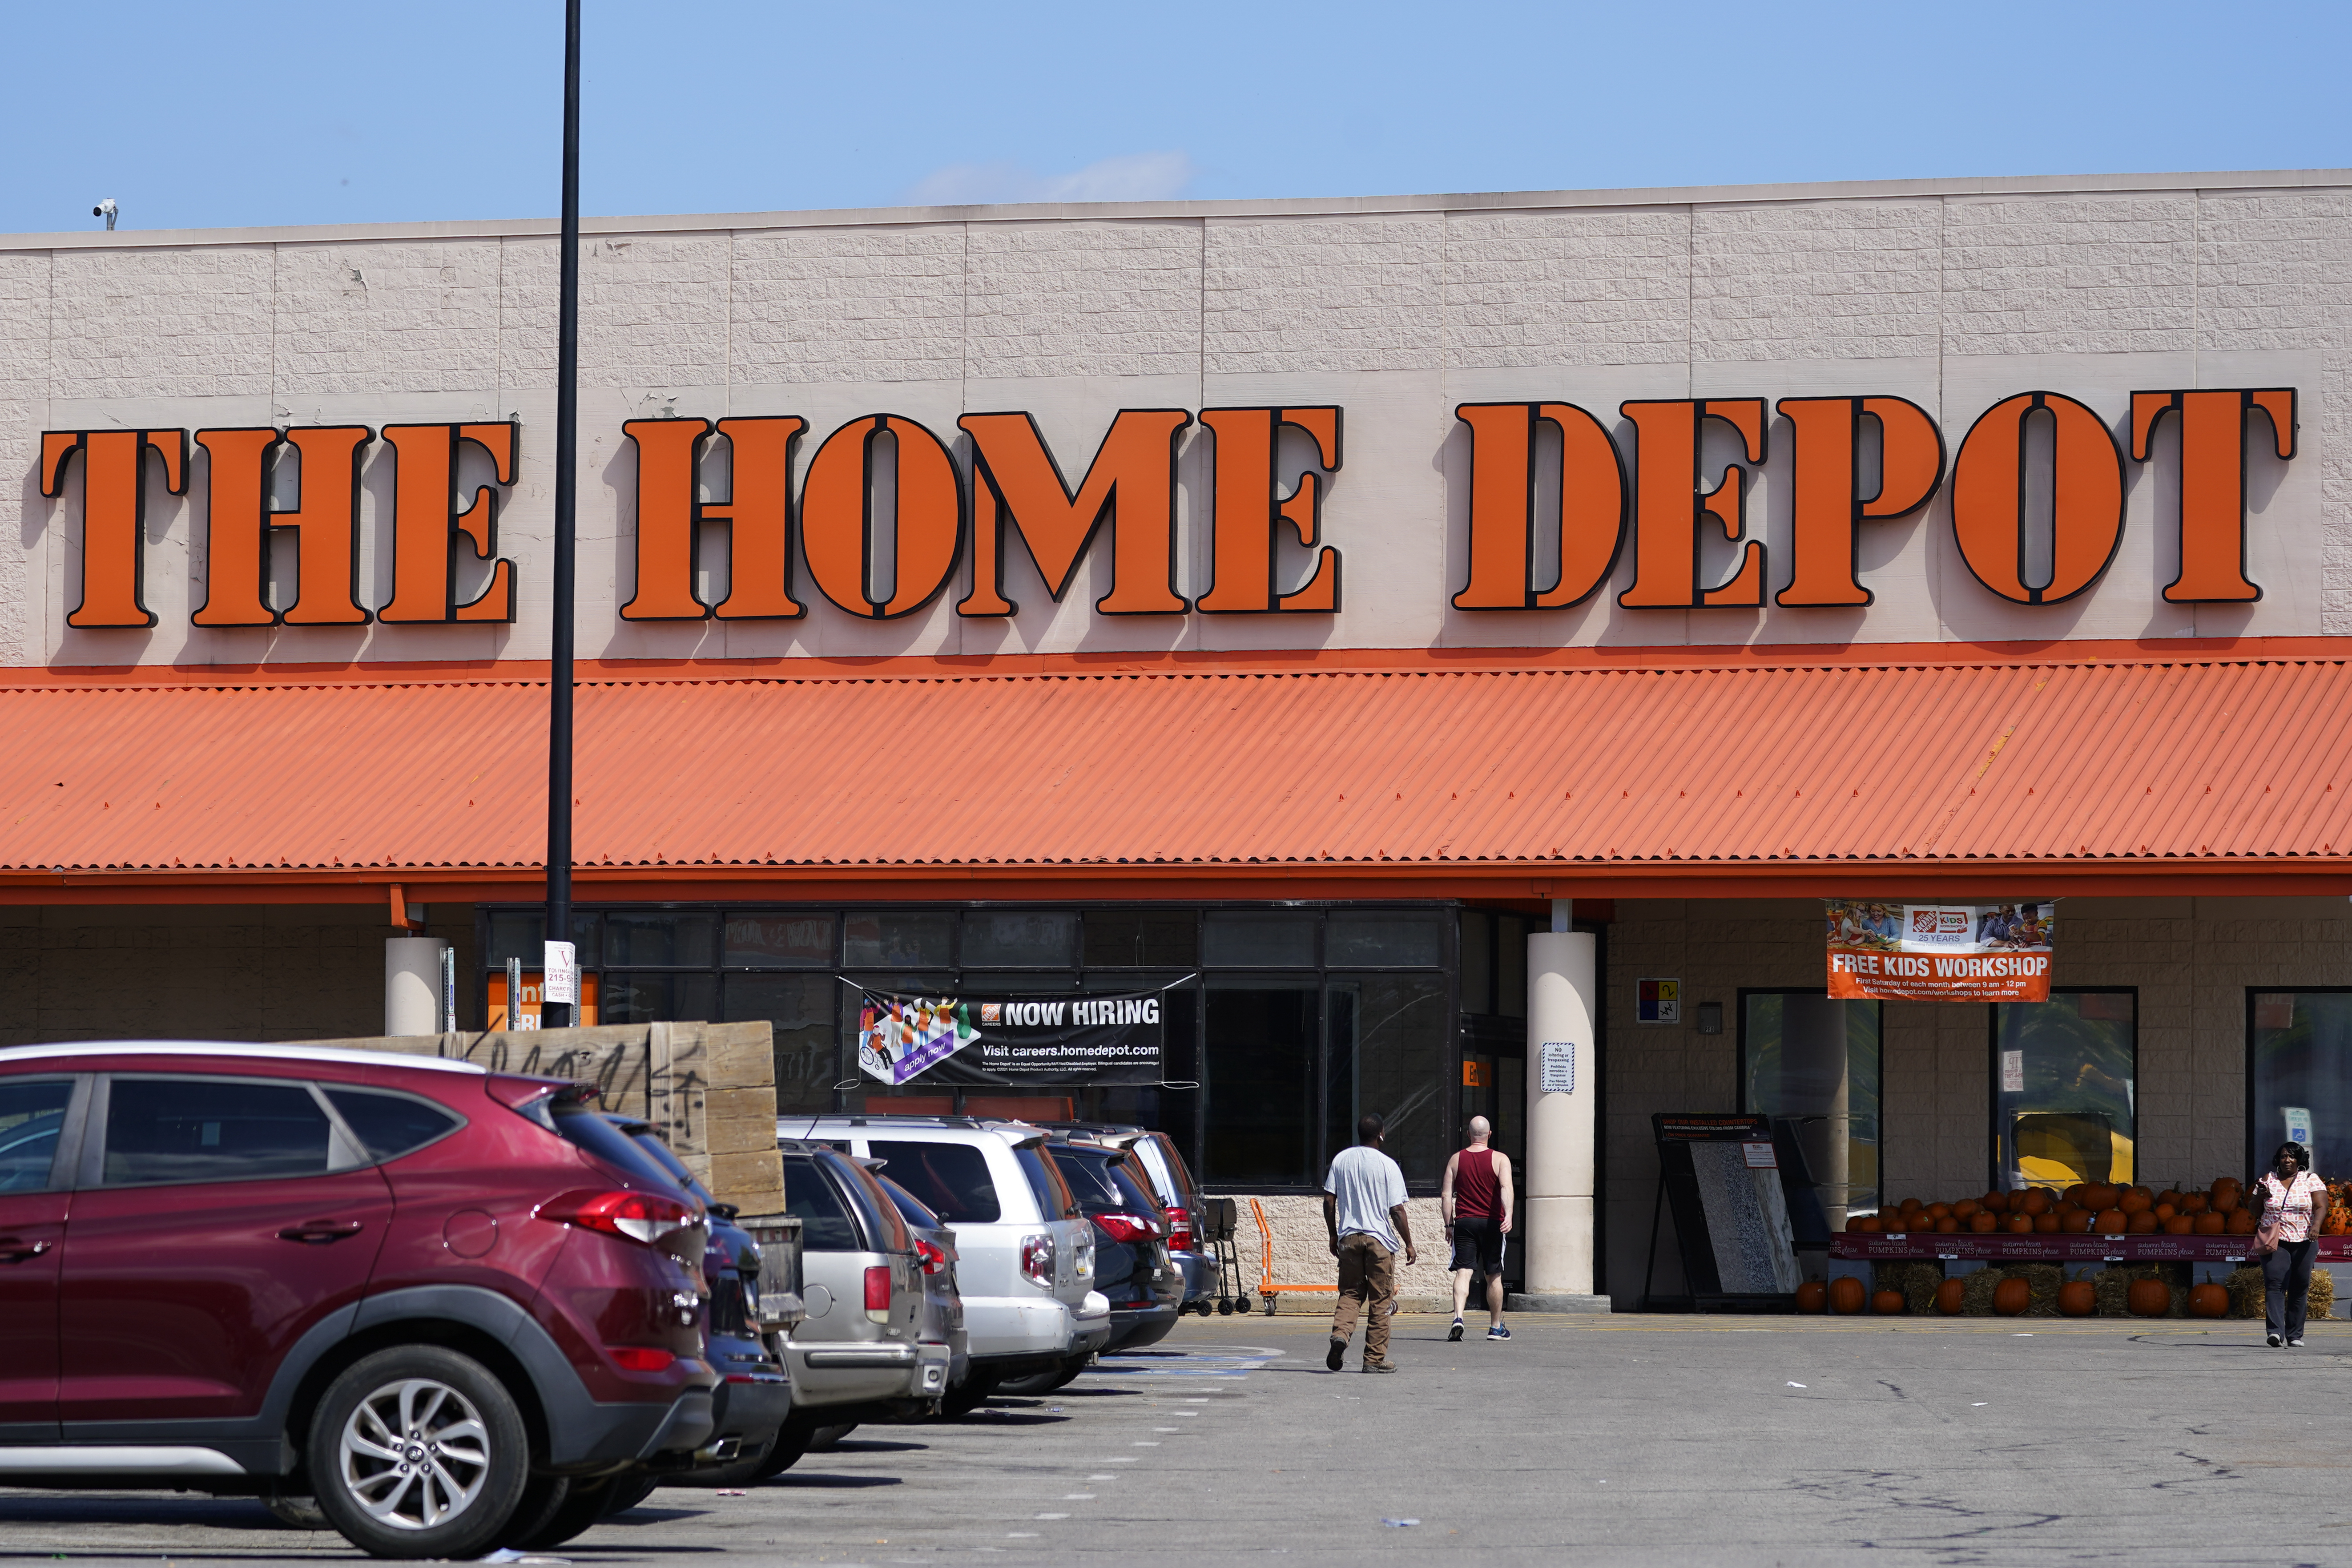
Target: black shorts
1478 1245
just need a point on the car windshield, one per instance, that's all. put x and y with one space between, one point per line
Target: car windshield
910 1207
1105 1180
651 1143
1055 1199
590 1132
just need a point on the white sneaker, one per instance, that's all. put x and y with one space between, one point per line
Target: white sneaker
2294 1344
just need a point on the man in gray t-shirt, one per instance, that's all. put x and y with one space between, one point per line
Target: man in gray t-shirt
1363 1208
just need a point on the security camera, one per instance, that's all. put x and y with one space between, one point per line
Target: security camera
105 209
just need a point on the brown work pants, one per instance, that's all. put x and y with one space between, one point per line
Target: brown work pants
1367 1279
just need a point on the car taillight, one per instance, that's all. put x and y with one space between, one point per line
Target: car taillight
1180 1230
1126 1227
634 1216
639 1358
1037 1261
877 1292
935 1258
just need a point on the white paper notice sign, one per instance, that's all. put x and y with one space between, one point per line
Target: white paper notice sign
563 972
1556 1068
1760 1156
2012 1072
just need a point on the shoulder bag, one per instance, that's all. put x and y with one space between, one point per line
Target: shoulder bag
2266 1235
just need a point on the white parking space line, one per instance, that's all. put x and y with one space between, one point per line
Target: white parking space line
1221 1361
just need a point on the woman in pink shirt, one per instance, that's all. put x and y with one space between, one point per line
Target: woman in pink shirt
2295 1200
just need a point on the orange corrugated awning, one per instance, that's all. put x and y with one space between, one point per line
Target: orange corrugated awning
2220 775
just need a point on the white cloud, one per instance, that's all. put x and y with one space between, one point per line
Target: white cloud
1136 177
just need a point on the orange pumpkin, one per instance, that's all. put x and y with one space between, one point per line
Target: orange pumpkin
1913 1205
2037 1201
2012 1297
2338 1223
2078 1299
2169 1197
2179 1224
2166 1211
2074 1195
2227 1200
2098 1195
2149 1299
1965 1209
1890 1219
2112 1222
2210 1222
1847 1295
2135 1202
1950 1296
2242 1222
1887 1303
1862 1223
2195 1202
2045 1223
1947 1224
2209 1300
1940 1211
2020 1224
1813 1296
1983 1221
2142 1223
2144 1191
1997 1201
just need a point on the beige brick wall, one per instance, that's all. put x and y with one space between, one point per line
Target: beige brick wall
252 973
2189 960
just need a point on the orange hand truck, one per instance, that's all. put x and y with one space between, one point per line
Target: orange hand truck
1266 1286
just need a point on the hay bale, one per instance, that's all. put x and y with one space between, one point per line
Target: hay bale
2044 1278
2111 1288
2323 1293
2245 1287
1915 1277
1976 1292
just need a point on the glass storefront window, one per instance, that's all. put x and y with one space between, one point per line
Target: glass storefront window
518 935
1386 941
778 941
661 940
1232 938
801 1008
1390 1049
1477 961
1042 939
1511 966
658 998
2063 1100
2299 1050
894 941
1814 1062
1118 939
1259 1081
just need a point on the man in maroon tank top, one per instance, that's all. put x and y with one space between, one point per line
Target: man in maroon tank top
1478 1202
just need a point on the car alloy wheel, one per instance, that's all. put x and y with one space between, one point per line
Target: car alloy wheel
415 1454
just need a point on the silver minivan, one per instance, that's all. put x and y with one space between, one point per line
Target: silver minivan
860 1352
1026 1253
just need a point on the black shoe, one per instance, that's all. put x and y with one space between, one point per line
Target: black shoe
1455 1332
1339 1353
2274 1341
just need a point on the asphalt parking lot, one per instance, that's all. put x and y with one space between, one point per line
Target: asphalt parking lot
1620 1440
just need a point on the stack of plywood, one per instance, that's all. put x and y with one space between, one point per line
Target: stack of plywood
710 1088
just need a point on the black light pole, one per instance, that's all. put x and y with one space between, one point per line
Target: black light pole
556 1015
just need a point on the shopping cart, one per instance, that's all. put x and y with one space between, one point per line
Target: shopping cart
1218 1221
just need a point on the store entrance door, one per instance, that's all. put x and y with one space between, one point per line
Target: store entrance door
1495 1086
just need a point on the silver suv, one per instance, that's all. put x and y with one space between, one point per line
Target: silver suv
1026 1253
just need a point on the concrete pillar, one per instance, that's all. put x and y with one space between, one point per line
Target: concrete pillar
1555 1209
412 985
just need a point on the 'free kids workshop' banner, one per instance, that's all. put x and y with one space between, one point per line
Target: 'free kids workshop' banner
1001 1041
1940 952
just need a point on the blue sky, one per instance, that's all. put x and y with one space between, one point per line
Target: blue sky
228 113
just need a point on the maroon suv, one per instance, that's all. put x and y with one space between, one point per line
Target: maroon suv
453 1306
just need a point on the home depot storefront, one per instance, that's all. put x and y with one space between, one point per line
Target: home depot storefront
1560 598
